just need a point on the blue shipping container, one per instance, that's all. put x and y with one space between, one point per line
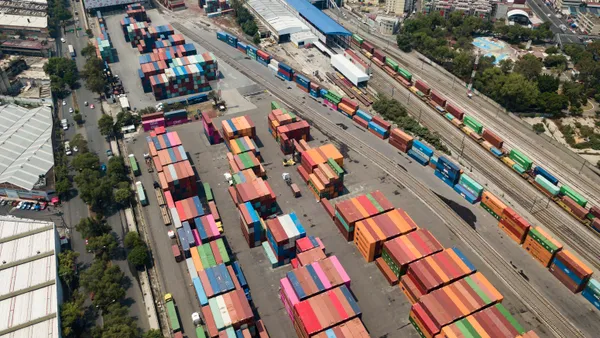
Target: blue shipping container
314 93
466 194
464 259
589 295
417 157
496 152
302 80
541 171
440 109
241 45
200 291
448 180
378 129
364 115
262 62
571 274
222 36
285 67
283 76
428 152
239 274
251 48
188 232
232 40
450 169
184 243
323 92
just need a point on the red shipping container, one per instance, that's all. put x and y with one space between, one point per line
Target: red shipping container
424 88
378 54
367 46
459 114
350 102
400 146
282 71
360 121
576 209
263 55
381 122
438 99
328 207
595 211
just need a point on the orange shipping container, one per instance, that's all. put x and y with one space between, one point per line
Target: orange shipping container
493 203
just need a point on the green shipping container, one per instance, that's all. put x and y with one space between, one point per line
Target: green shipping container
210 258
333 98
173 319
358 39
486 208
390 262
473 124
393 64
551 188
200 332
275 105
549 246
518 157
405 74
516 167
565 190
336 167
223 251
207 191
470 184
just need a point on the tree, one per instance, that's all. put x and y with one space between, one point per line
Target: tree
506 65
123 196
63 186
256 38
103 279
147 110
552 50
132 239
138 256
103 244
152 334
67 267
72 314
106 125
118 323
539 128
79 142
552 103
96 84
92 227
86 160
88 50
556 61
126 118
548 83
518 93
529 66
463 65
116 170
574 92
89 33
78 118
405 42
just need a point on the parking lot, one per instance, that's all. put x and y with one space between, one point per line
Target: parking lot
385 309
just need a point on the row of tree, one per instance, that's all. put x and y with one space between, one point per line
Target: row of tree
58 16
63 74
246 20
395 112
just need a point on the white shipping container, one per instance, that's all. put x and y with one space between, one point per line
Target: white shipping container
191 268
273 68
274 63
348 69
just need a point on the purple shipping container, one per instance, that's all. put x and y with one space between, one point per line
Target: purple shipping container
378 54
176 121
367 46
197 237
152 124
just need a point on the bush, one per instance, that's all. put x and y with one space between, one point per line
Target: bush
539 128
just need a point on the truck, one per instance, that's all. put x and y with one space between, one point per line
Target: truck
72 51
141 194
134 166
124 103
172 313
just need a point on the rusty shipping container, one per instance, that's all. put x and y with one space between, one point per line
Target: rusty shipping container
493 139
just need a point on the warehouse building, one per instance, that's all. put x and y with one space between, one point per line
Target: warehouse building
109 5
281 22
349 70
31 292
29 26
26 153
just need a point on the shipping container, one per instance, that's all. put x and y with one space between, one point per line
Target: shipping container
492 138
423 87
473 124
454 111
515 226
172 313
577 273
575 196
282 233
541 246
348 212
438 99
592 293
492 204
422 149
399 252
227 310
520 158
547 185
537 170
494 322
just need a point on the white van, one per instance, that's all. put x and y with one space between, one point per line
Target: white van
67 148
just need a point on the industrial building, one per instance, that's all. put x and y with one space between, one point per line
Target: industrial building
349 70
27 18
485 9
589 23
281 22
26 153
31 292
108 5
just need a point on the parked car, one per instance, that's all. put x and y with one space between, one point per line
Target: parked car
63 40
20 205
15 203
92 106
85 103
109 153
71 110
37 207
44 205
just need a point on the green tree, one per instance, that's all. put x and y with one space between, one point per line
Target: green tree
552 50
405 42
548 83
138 256
103 244
518 93
89 33
62 71
104 280
72 315
96 84
92 227
79 142
256 38
94 190
506 65
63 186
147 110
123 196
106 125
89 50
116 170
529 66
539 128
574 92
67 267
463 65
118 323
556 61
552 103
127 119
153 334
132 239
78 118
85 160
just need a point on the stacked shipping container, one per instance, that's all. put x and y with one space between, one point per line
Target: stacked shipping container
515 226
541 246
178 179
282 233
400 140
570 271
251 224
399 252
348 212
494 322
245 161
259 194
238 127
189 208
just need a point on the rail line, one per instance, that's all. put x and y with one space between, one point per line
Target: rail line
503 177
530 296
588 188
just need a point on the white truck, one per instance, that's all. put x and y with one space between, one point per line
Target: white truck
124 103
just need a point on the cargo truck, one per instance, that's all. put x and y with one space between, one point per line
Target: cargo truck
134 166
141 194
172 313
72 51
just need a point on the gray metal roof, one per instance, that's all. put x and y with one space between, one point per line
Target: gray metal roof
25 145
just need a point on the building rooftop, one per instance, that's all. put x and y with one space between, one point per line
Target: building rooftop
90 4
319 19
276 15
25 145
8 20
24 7
29 298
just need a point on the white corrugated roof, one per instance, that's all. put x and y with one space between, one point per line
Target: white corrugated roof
23 21
348 69
25 145
28 273
277 15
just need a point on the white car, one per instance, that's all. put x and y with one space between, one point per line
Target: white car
67 148
71 110
63 40
75 149
171 234
196 318
64 103
19 205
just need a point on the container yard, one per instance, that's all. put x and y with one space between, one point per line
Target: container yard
373 320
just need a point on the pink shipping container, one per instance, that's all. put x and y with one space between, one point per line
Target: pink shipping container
152 124
176 121
196 236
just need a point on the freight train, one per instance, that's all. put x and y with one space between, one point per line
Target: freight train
564 196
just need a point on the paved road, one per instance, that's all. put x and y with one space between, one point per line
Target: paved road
75 209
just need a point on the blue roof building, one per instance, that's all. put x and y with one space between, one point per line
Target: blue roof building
317 18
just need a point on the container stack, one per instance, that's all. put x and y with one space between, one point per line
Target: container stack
189 208
592 293
515 226
260 194
400 140
326 180
178 179
371 233
399 252
451 303
176 117
347 107
469 189
492 204
205 229
210 130
137 12
310 280
473 124
282 233
348 212
179 81
314 90
311 158
570 271
304 255
245 161
215 281
324 311
423 87
211 254
362 118
243 176
380 127
332 99
284 71
152 121
105 50
263 58
242 145
287 134
238 127
433 272
420 152
251 51
447 171
302 82
494 321
279 117
252 225
541 246
171 155
230 309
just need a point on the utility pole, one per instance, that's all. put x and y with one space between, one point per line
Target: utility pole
470 85
462 146
583 165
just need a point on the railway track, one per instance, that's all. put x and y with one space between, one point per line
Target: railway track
571 232
544 156
531 297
